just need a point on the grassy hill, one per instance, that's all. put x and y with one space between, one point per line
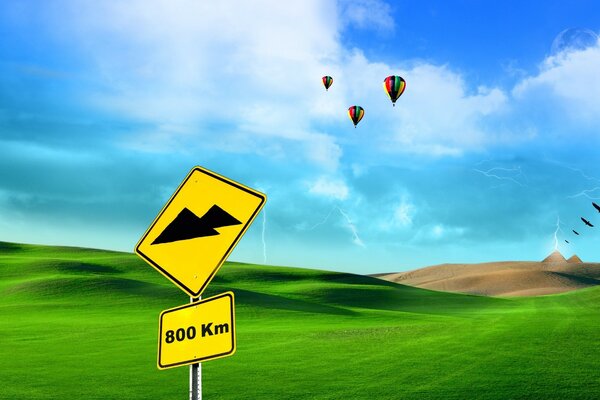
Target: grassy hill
79 323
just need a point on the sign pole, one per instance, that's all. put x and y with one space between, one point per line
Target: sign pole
195 372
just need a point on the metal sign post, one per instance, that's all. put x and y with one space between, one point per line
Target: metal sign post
195 372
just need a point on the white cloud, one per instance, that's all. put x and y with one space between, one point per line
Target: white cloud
201 68
248 70
330 188
322 150
358 170
402 214
568 81
437 232
437 114
367 14
440 231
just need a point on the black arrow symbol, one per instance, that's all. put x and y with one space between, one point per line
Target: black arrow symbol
188 225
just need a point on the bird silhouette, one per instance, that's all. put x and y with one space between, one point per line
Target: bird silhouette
575 232
588 223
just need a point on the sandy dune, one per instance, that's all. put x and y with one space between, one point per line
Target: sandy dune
508 278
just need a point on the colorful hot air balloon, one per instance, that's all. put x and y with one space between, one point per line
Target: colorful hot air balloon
356 113
394 86
327 81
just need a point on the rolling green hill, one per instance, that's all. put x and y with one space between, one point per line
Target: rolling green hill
80 323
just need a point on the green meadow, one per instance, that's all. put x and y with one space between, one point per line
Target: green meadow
79 323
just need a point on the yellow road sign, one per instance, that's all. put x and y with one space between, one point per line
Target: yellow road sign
197 332
198 228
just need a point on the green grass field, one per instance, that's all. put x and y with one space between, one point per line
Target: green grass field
79 323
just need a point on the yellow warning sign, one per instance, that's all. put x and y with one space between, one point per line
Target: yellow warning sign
198 228
197 332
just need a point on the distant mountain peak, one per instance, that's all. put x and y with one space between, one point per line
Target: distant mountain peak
555 257
574 259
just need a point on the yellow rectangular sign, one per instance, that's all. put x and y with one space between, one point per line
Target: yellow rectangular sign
198 228
197 332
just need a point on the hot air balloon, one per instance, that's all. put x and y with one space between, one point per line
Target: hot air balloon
327 81
394 86
356 113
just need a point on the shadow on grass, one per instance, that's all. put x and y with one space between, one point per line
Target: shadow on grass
271 301
6 247
86 287
404 298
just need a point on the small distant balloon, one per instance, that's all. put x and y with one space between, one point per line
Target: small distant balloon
394 86
356 113
327 81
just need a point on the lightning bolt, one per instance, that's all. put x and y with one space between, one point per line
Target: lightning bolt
355 238
490 173
352 227
587 194
263 235
558 229
483 162
323 221
586 176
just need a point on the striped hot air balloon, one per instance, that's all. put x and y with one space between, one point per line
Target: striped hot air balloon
356 113
327 81
394 86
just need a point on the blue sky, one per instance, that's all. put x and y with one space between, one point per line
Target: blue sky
490 154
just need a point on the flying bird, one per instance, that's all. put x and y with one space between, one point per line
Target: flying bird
566 241
588 223
575 232
596 206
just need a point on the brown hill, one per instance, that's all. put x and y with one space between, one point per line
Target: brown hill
509 278
574 259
